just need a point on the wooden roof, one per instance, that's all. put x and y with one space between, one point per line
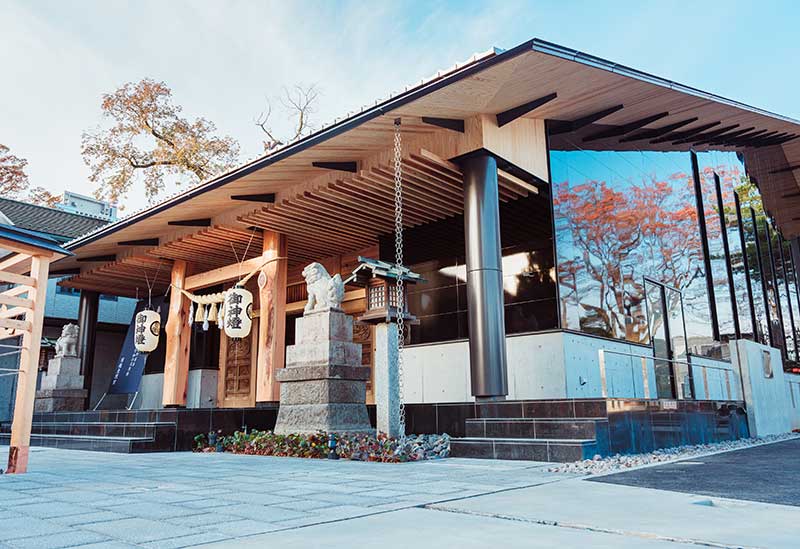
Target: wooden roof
324 211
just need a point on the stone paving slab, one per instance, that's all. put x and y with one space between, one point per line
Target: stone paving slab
429 528
184 499
641 513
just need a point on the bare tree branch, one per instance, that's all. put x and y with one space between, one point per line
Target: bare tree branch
299 103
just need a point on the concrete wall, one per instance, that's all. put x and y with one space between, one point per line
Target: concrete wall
715 379
625 375
202 389
769 407
200 393
540 366
150 392
793 387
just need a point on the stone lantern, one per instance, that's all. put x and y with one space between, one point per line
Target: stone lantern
379 279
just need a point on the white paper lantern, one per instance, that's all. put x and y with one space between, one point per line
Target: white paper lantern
238 312
147 328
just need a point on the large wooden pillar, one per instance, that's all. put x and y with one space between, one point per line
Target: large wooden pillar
272 319
179 332
28 368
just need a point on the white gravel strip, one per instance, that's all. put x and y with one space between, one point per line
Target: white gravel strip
619 462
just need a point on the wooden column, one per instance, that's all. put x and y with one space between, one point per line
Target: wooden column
178 332
272 319
28 369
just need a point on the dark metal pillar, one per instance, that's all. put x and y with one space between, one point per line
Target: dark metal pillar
487 334
775 289
763 278
701 225
727 249
87 325
746 262
781 243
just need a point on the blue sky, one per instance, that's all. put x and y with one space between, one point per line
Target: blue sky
222 58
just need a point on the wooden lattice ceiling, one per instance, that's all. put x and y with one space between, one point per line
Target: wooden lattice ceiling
351 213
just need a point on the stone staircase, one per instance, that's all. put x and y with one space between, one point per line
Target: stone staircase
101 436
560 431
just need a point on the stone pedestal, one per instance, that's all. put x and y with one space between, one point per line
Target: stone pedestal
62 387
387 380
323 386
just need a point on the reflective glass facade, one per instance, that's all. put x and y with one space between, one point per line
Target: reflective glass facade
623 223
627 218
436 251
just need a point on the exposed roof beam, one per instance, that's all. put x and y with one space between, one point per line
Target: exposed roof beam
656 132
723 139
64 272
720 139
341 166
142 242
556 127
779 140
768 139
683 135
204 222
626 128
447 123
510 115
744 137
718 131
264 197
753 141
98 258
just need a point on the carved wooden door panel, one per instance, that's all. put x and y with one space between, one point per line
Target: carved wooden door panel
236 385
362 333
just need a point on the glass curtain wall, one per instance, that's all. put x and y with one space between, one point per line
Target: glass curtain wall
623 216
436 251
620 217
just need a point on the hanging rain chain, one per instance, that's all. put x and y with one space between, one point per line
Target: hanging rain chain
398 251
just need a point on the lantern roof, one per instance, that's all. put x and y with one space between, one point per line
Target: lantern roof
375 268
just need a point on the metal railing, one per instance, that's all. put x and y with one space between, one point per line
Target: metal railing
685 389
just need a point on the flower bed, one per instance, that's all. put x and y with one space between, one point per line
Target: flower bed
358 447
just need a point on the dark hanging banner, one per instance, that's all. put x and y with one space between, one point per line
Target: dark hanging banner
130 365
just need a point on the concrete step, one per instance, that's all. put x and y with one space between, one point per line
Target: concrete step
102 436
121 445
533 449
531 428
112 429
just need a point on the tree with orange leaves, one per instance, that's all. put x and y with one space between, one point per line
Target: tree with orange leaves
148 136
14 181
619 236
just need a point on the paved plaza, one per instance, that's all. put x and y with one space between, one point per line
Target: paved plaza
74 498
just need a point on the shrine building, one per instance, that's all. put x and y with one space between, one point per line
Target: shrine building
608 262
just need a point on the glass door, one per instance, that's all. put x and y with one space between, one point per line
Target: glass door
668 337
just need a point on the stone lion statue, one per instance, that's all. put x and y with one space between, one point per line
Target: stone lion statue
67 344
324 291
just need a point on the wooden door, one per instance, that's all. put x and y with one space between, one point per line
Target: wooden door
363 334
236 385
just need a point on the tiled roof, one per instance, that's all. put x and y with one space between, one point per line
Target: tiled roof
49 221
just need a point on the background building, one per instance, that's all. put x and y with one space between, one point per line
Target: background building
75 216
